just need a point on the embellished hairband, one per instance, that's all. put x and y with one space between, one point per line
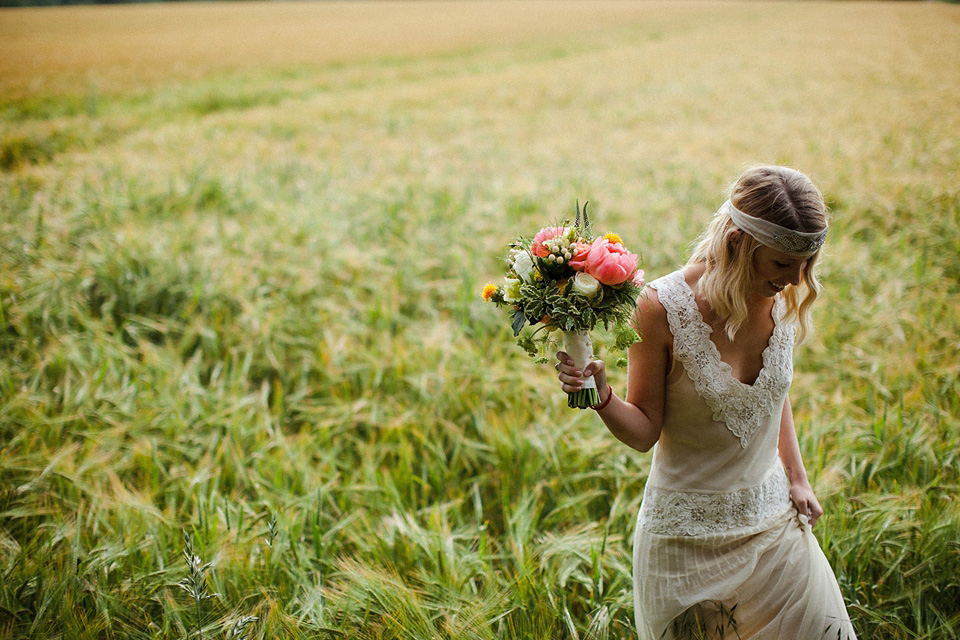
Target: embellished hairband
769 234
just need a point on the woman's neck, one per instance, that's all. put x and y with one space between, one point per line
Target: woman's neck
757 304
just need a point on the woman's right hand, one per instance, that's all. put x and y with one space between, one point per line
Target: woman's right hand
572 378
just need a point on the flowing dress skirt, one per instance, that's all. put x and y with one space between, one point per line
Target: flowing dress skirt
769 583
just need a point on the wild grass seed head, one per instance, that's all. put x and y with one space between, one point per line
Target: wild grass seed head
195 584
239 629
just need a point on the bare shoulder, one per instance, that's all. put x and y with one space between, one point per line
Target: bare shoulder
650 360
650 317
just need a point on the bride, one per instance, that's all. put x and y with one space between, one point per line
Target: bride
723 544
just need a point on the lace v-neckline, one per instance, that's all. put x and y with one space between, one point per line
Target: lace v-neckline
741 407
776 313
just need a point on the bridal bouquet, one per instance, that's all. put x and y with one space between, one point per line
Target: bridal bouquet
565 279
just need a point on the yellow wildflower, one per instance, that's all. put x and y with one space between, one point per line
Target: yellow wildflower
488 290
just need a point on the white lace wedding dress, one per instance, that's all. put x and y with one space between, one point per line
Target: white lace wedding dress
718 542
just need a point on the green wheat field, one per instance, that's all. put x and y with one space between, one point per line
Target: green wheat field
248 386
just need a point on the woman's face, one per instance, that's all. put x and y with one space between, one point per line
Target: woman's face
774 270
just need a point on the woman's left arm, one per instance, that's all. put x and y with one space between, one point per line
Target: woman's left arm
800 490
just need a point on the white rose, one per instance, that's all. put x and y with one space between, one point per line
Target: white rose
511 289
523 266
585 284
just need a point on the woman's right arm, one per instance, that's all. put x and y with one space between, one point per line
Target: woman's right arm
636 421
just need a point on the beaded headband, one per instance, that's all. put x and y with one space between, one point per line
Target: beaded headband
769 234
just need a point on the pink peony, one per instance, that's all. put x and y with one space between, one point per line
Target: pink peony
610 263
545 234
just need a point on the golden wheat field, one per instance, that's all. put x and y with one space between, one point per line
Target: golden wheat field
159 42
249 389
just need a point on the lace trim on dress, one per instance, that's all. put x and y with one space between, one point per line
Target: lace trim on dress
682 513
741 407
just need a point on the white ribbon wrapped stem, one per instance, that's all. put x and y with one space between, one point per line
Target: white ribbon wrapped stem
578 346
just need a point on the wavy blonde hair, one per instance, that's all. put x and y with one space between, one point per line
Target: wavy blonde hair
780 195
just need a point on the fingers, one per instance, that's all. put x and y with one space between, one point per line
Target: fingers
564 358
566 365
814 511
571 378
811 509
594 368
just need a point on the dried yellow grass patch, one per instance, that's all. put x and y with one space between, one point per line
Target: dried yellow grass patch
69 47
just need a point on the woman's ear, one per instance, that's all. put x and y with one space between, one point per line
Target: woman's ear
734 237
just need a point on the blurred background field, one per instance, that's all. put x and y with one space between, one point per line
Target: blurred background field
241 250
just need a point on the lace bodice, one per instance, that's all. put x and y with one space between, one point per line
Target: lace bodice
742 407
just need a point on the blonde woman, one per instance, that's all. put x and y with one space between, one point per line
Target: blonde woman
723 544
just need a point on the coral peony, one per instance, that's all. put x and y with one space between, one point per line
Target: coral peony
610 263
580 250
547 233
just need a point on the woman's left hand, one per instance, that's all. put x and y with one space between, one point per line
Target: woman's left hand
805 501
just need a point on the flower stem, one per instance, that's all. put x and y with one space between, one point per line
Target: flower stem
199 625
583 399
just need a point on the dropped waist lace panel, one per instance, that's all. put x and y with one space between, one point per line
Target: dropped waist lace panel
688 513
741 407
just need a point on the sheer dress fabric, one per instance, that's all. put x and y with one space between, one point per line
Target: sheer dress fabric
716 531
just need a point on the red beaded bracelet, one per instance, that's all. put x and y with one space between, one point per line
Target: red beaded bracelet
603 405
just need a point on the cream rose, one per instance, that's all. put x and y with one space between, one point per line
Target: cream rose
585 284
